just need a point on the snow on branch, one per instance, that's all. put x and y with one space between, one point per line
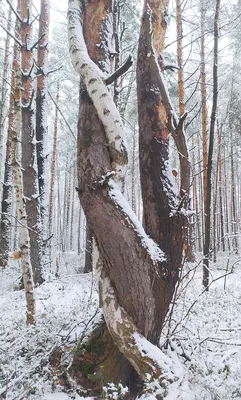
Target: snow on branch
94 80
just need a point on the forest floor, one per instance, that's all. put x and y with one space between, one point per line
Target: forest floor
205 331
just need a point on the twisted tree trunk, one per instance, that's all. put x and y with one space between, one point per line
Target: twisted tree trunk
136 277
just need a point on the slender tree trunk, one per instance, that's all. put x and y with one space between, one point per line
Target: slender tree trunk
79 232
65 216
181 102
215 198
71 237
30 176
6 203
226 201
207 209
133 192
53 163
24 239
89 248
181 105
41 100
233 201
221 208
204 109
116 35
4 91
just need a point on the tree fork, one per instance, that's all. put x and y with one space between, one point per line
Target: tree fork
134 300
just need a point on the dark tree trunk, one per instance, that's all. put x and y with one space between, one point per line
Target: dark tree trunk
30 184
163 219
207 210
89 240
5 191
41 101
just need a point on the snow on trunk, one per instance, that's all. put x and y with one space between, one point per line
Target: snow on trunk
24 239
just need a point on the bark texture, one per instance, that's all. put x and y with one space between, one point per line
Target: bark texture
3 94
24 240
30 184
207 210
163 207
204 109
53 162
7 186
89 240
136 277
41 101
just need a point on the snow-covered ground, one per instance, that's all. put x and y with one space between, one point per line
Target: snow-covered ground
205 332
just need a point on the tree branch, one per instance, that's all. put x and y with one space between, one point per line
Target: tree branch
12 36
62 115
37 42
14 11
120 71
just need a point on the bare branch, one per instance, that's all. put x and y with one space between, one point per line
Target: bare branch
14 11
37 42
120 71
12 36
62 115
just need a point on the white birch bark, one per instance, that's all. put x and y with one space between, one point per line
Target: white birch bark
24 240
148 360
93 79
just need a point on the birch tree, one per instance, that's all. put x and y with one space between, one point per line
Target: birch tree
24 239
30 183
137 273
7 187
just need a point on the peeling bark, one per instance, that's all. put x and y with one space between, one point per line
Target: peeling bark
93 79
164 209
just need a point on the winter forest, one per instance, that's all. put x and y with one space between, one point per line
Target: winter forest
120 199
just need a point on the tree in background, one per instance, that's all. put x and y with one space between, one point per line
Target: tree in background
41 97
6 203
207 209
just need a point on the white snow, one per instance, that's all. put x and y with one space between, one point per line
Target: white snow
209 335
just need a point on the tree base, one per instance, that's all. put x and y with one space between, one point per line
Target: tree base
97 362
